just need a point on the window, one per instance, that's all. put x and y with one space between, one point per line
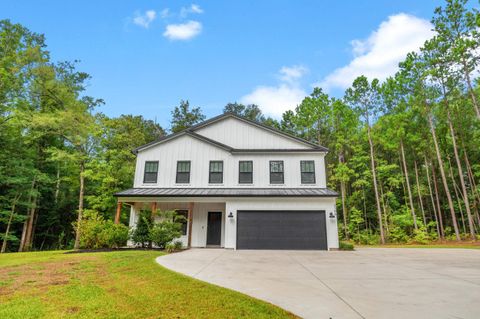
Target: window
245 172
184 213
151 172
183 172
216 172
276 172
307 169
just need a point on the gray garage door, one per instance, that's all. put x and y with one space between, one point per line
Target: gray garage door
281 230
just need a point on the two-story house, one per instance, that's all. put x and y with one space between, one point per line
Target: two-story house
241 185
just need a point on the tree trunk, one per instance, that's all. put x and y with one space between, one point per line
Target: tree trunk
462 180
444 178
23 239
344 205
471 179
7 231
470 88
455 187
419 194
410 198
29 235
439 207
57 185
374 175
440 235
80 205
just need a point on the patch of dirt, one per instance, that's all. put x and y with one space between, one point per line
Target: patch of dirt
43 275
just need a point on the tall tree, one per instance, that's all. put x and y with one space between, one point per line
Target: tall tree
183 117
364 97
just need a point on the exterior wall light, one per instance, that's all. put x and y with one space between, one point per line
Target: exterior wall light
331 215
230 215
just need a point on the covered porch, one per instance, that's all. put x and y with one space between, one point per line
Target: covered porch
205 221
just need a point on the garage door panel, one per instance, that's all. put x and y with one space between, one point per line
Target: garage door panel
281 230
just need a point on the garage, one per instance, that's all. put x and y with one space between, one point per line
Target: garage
290 229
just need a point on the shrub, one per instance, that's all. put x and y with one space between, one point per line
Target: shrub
168 229
140 235
364 237
346 246
174 246
96 232
421 236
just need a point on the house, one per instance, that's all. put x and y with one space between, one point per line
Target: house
240 185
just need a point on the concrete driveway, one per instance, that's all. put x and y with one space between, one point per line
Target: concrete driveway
367 283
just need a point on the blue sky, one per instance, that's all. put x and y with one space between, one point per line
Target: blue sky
144 56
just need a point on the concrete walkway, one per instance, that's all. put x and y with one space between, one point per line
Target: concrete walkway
367 283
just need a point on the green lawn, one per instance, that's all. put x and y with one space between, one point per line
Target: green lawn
124 284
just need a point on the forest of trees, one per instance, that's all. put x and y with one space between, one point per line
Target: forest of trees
404 152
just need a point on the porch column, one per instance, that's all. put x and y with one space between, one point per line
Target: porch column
154 208
119 210
190 218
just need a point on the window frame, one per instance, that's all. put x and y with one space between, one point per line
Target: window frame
189 172
302 172
282 172
210 172
145 173
240 172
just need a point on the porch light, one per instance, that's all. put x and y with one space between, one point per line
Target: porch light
230 215
331 215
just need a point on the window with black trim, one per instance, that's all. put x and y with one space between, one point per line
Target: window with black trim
215 175
151 172
183 172
276 172
184 213
245 172
307 171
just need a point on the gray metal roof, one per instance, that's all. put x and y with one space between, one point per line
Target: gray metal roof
227 192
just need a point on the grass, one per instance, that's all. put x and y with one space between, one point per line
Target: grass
448 244
124 284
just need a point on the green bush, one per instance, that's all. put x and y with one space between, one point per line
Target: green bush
174 246
365 237
161 233
96 232
140 235
346 246
421 236
168 229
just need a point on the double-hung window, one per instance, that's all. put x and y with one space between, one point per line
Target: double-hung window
215 175
276 172
245 172
151 172
183 172
307 171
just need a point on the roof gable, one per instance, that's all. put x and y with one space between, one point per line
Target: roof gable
234 133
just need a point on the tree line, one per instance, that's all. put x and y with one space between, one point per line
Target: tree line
404 152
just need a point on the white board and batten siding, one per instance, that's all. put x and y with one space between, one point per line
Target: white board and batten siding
241 135
200 153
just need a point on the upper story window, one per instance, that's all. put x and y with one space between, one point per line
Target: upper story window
151 172
215 175
245 172
276 172
307 170
183 172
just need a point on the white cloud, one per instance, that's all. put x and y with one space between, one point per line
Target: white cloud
378 55
274 100
292 73
193 8
183 31
145 19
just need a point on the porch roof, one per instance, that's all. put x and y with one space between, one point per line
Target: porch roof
227 192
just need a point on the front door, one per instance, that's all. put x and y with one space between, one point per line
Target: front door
214 228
